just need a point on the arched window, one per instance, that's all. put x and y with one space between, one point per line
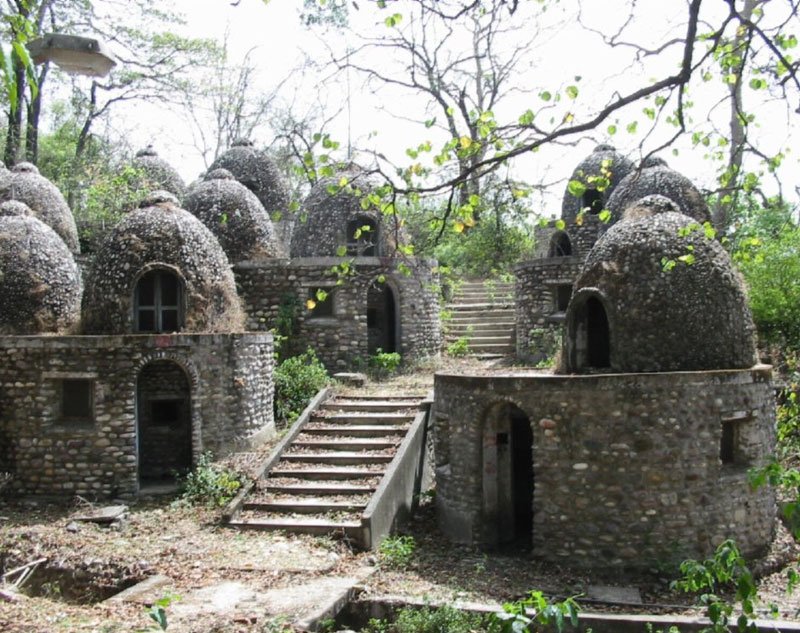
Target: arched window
362 237
589 334
158 302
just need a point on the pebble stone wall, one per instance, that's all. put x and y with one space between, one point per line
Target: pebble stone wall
341 340
627 468
230 379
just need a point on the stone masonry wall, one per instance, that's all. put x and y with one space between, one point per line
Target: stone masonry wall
540 324
581 236
231 390
627 467
274 288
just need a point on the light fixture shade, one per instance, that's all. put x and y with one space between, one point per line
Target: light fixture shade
72 53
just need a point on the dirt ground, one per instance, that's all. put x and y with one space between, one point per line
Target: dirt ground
211 578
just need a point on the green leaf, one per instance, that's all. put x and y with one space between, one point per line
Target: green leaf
576 188
572 92
604 215
393 20
526 118
545 95
561 225
631 127
611 129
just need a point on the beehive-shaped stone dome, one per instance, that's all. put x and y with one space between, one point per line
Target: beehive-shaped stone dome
657 294
604 162
655 177
40 284
158 172
334 218
234 215
27 185
258 172
161 270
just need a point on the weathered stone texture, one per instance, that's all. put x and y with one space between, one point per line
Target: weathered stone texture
159 173
627 468
25 184
272 288
161 235
230 378
234 215
40 284
658 179
693 315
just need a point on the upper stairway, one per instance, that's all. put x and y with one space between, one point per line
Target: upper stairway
482 312
342 469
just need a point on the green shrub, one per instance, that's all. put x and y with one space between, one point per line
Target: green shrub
459 347
297 380
396 552
445 619
383 364
209 483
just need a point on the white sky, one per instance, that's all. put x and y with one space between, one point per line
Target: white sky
280 40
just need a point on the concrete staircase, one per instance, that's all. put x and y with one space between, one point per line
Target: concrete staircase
482 312
324 477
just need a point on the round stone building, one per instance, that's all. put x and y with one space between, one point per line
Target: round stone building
637 452
160 175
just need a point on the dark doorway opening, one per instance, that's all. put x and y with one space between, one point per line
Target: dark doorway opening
598 349
592 200
508 478
381 319
163 423
560 245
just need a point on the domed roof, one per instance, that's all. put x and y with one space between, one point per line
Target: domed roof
40 284
662 180
234 215
161 236
334 218
25 184
604 162
657 294
258 172
160 174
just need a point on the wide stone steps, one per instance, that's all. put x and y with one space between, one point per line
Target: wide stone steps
483 313
330 468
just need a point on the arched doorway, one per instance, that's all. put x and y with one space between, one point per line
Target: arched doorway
158 303
381 319
163 422
560 245
592 201
589 334
508 476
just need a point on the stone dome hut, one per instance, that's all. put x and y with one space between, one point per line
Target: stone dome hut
334 217
655 177
604 161
657 294
40 284
234 215
160 174
161 270
25 184
258 172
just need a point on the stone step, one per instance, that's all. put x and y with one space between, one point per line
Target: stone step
496 348
325 474
371 418
337 458
360 430
484 329
337 444
303 506
508 339
319 489
494 306
315 526
372 405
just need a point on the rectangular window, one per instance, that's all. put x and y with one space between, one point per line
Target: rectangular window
563 293
734 437
727 444
77 400
322 307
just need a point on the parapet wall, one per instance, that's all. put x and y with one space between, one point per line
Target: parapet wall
230 390
628 469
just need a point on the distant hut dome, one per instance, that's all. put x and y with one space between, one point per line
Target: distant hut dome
603 158
662 180
161 245
234 215
158 172
40 283
335 218
638 307
258 172
25 184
